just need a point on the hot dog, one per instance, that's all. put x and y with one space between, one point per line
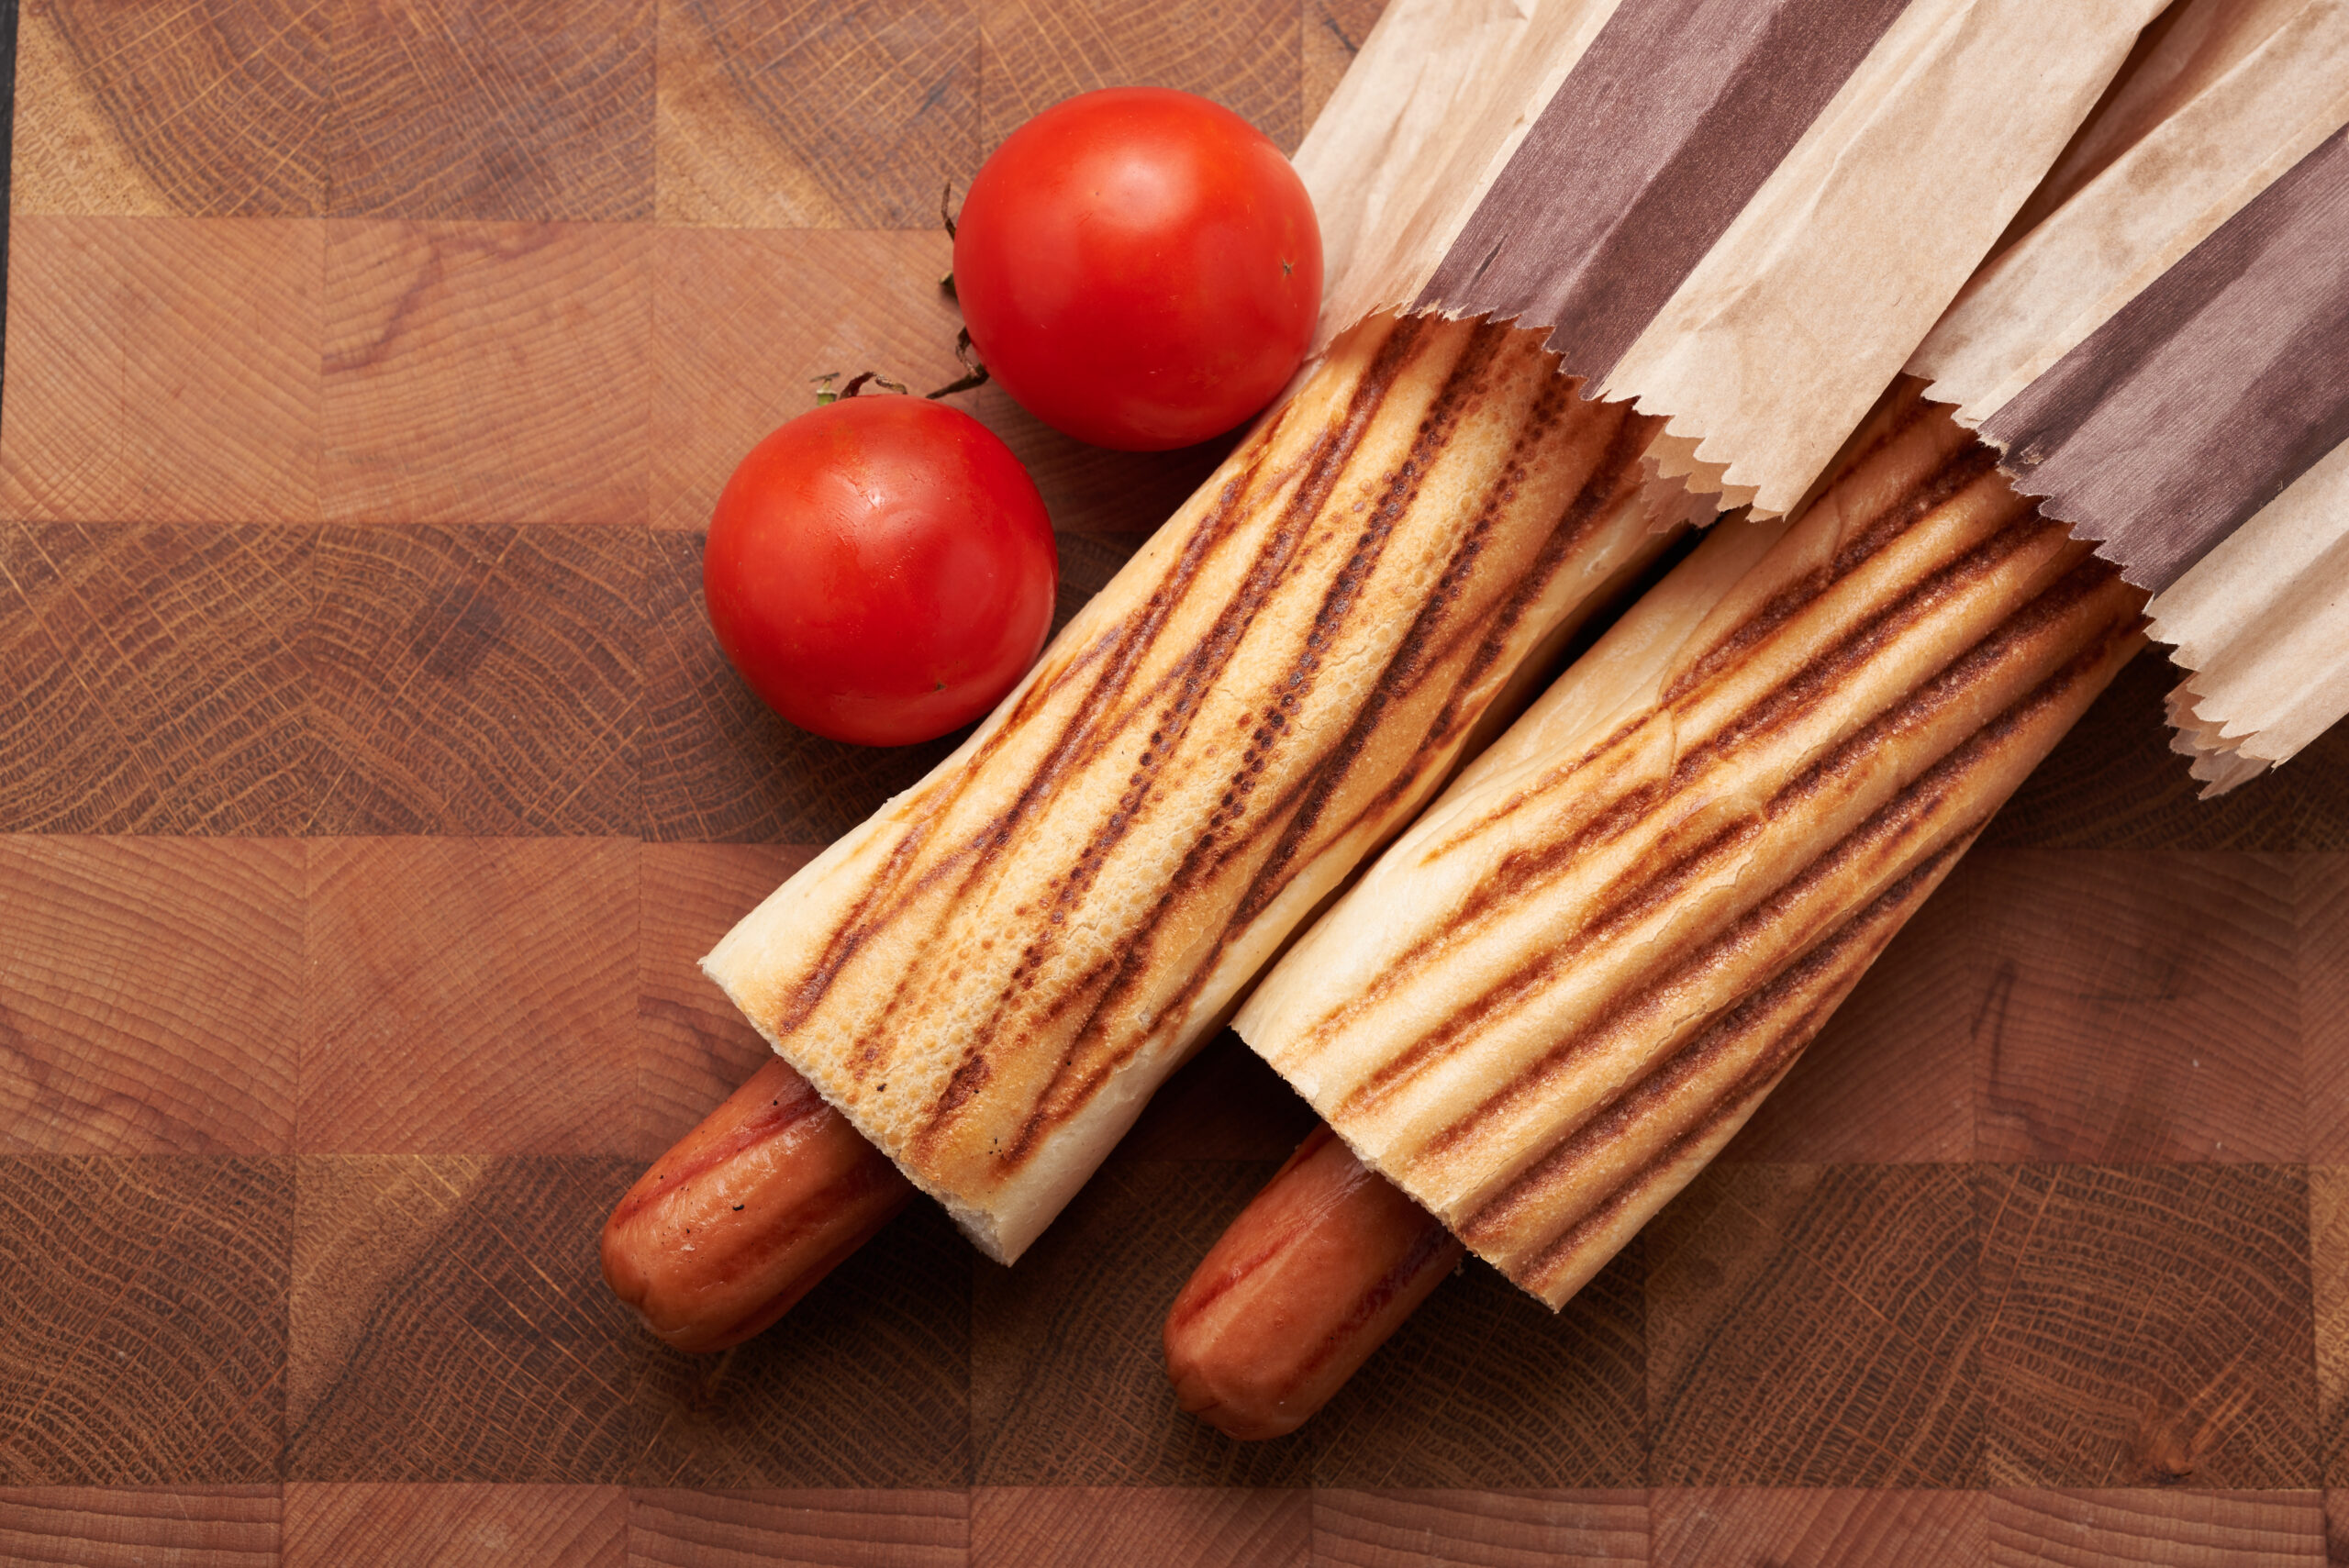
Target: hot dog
1562 993
1316 1273
746 1213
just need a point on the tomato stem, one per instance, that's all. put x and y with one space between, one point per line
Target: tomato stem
974 374
824 393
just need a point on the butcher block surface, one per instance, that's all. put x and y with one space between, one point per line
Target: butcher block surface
370 782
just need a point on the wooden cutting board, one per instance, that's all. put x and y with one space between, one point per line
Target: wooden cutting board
370 781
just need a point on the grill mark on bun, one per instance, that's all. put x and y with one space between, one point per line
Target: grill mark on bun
1424 650
1199 668
1763 1022
1525 873
1921 812
1061 1094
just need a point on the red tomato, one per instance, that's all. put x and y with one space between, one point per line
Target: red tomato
1139 267
880 570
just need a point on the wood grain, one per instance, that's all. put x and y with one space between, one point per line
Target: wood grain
132 1527
178 363
2134 1007
2113 783
470 996
449 324
2147 1325
485 373
1334 32
213 109
1068 1384
865 1384
492 110
1817 1527
1483 1387
1816 1325
477 680
1245 54
676 1527
389 1525
1423 1529
805 115
143 1303
2156 1529
150 995
2321 903
696 1048
151 679
744 317
1050 1527
2329 1271
447 1321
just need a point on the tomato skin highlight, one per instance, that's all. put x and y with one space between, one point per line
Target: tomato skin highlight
880 570
1140 268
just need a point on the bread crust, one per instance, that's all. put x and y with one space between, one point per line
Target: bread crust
1559 994
991 975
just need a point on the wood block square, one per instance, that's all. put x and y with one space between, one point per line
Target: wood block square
470 996
1076 1527
152 108
480 372
2336 1527
814 116
2321 883
1719 1527
1815 1326
130 1527
150 995
151 680
2114 784
1477 1529
162 675
2135 1007
2142 1529
144 413
478 680
721 765
746 316
492 110
2147 1325
678 1527
1068 1375
1891 1078
62 454
422 1526
864 1384
143 1304
697 1046
450 1321
65 764
1245 54
1485 1386
2328 1270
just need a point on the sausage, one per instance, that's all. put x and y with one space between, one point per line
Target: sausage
1316 1273
747 1211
